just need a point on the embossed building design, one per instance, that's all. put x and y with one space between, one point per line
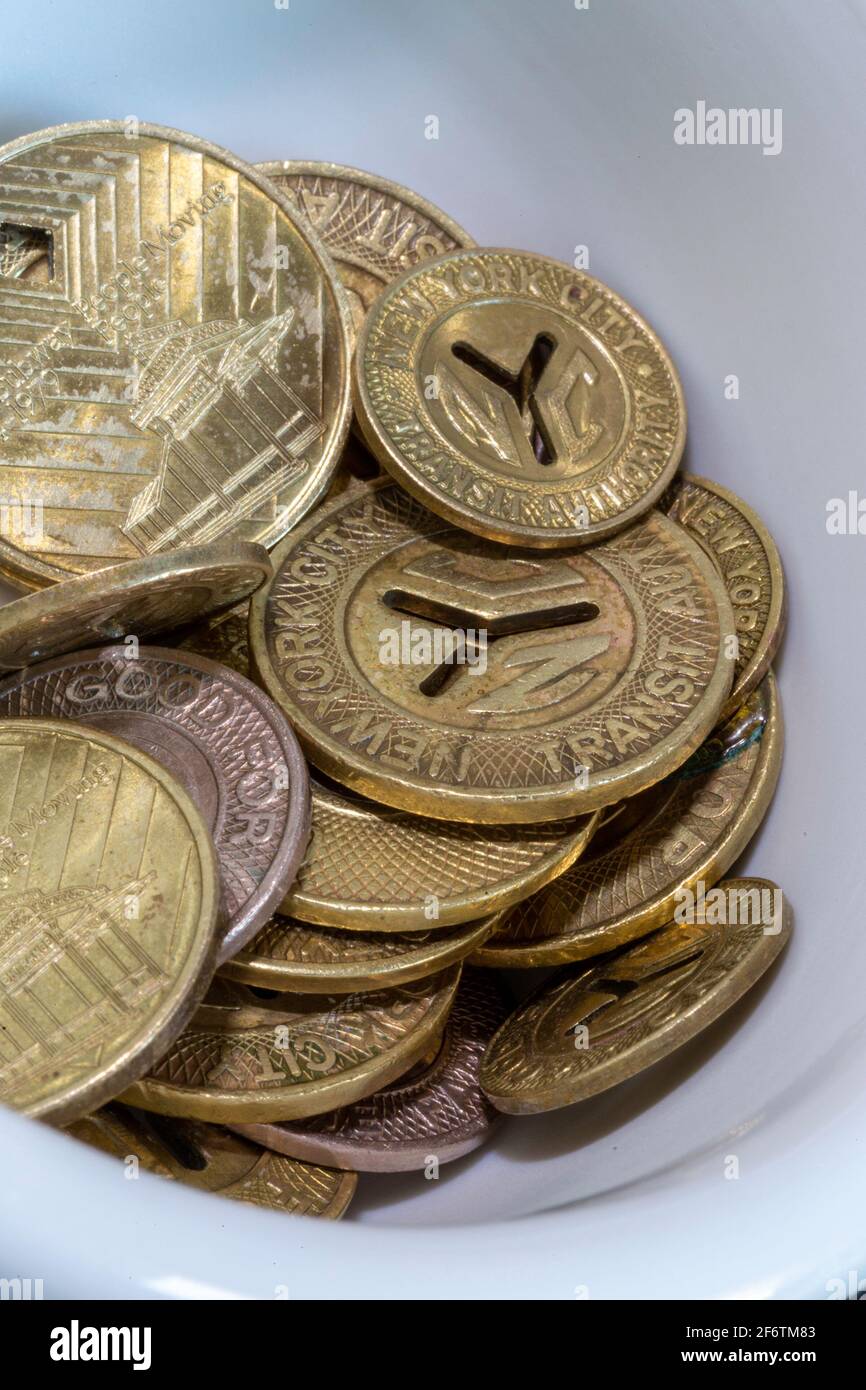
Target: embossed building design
233 432
81 933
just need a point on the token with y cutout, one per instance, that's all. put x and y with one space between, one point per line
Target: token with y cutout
518 398
435 672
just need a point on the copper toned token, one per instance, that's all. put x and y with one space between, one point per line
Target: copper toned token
222 738
591 1026
138 597
436 1113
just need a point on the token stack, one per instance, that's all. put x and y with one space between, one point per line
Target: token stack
371 648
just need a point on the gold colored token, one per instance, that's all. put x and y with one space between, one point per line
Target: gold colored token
369 867
289 955
750 565
138 596
109 895
374 229
436 673
244 1058
684 832
213 1159
184 372
372 868
518 398
114 1131
589 1027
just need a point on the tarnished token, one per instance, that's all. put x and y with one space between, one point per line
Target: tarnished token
138 597
245 1058
289 955
438 1112
182 375
213 1159
688 830
749 562
591 1026
374 229
109 895
518 398
437 673
369 867
223 740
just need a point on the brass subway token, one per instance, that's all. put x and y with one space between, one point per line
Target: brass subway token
109 894
372 868
591 1026
183 375
438 1111
749 562
518 398
287 955
212 1159
688 830
374 229
369 867
431 671
138 597
244 1058
224 741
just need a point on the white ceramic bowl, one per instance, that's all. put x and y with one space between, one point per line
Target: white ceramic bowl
556 131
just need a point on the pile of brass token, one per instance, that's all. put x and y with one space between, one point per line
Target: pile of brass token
406 510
